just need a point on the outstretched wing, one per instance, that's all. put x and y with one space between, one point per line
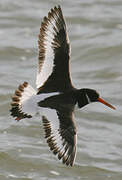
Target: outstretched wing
53 68
60 132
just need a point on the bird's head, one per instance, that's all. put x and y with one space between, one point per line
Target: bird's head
87 96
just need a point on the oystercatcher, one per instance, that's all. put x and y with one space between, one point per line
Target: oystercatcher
55 95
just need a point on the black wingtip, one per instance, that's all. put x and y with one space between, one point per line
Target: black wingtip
59 6
56 8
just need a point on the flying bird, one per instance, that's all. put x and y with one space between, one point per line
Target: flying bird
55 96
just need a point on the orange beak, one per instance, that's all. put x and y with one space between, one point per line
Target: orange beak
107 104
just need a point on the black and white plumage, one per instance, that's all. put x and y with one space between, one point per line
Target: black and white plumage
54 51
61 137
55 95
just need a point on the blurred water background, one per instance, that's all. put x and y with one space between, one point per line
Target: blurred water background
95 32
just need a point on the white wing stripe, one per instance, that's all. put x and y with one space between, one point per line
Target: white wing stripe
56 141
54 123
47 67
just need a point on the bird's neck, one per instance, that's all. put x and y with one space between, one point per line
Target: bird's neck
82 98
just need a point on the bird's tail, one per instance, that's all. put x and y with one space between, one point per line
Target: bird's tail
23 102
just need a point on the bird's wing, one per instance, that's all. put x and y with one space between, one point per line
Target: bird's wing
60 132
54 54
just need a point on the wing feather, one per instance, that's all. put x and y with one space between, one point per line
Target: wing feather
60 132
53 67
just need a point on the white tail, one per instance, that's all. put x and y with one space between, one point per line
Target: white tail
23 103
